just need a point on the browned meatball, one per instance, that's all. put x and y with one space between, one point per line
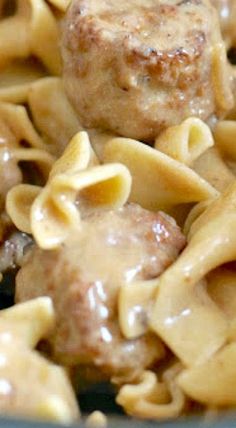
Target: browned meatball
227 14
136 67
83 279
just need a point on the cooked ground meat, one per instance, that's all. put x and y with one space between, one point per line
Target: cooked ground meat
138 67
83 278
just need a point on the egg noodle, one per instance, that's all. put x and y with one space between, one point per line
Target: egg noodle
189 172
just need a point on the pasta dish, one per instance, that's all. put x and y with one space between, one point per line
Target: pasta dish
118 206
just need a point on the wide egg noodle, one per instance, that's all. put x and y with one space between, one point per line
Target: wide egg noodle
34 320
74 184
54 212
16 80
134 304
152 399
190 308
52 398
77 156
45 36
41 158
227 14
221 287
10 168
60 4
18 205
231 115
212 167
33 30
212 383
19 123
16 131
221 71
15 35
194 213
99 139
51 112
191 143
7 135
225 137
185 142
158 181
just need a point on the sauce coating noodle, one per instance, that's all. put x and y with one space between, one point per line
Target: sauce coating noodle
109 112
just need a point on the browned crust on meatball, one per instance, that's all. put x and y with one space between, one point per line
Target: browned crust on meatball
140 67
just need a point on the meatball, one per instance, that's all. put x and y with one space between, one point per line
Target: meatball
83 278
138 67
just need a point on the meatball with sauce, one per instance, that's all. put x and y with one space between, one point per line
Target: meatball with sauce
83 278
137 67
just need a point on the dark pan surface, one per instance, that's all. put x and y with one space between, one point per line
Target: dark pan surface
119 422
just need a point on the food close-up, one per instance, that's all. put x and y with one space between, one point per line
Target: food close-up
117 210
